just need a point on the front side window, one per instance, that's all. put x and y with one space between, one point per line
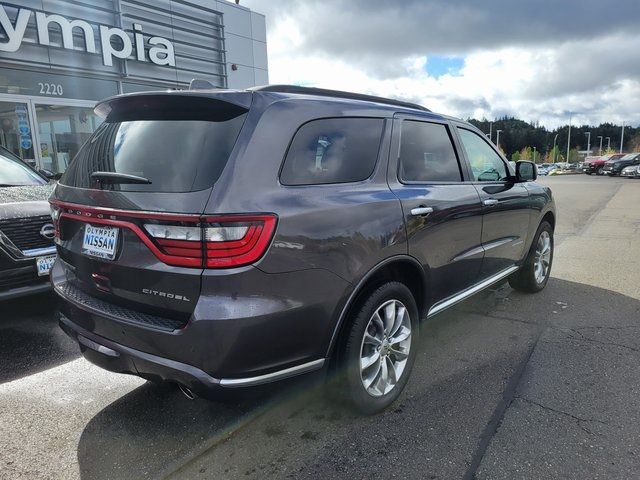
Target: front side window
486 164
333 150
427 154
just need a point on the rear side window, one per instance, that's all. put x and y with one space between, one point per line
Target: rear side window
333 150
178 155
427 154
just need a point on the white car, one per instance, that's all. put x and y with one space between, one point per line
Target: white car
632 171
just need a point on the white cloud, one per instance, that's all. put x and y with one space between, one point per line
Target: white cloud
596 78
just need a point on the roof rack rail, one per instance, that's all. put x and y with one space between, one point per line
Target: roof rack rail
324 92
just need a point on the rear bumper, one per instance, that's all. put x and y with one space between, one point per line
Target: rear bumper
122 359
281 330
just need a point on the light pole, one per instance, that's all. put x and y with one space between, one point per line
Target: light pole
498 138
554 147
622 138
608 143
568 138
588 134
490 131
600 151
534 154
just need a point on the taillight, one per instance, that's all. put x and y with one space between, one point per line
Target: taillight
237 240
178 242
217 242
55 216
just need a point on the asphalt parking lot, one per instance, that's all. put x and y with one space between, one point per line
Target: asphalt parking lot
505 386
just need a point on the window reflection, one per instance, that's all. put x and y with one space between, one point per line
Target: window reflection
63 130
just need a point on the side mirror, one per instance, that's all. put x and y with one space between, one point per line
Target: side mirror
526 171
47 173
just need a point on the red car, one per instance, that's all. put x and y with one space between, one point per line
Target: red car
596 164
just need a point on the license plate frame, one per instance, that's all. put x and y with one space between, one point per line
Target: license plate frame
100 241
44 264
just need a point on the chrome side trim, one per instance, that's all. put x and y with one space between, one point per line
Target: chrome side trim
469 253
272 377
451 301
35 252
486 247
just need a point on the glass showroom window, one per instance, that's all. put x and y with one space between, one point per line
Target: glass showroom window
63 130
15 130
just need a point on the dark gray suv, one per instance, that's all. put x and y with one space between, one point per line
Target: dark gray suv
228 239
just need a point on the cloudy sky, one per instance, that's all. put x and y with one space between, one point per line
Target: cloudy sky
535 59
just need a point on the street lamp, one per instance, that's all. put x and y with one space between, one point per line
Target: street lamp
608 143
498 138
588 134
600 151
534 154
568 138
554 147
622 138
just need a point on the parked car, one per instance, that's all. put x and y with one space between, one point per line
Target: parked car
544 169
286 239
632 171
614 166
595 165
629 171
26 229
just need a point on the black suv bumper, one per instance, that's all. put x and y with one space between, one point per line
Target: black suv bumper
122 359
210 353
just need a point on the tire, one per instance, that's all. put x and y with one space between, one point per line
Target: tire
354 349
528 278
588 173
600 171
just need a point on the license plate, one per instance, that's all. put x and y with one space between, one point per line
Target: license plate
100 241
44 264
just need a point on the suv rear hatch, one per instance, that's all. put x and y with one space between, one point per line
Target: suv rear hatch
128 210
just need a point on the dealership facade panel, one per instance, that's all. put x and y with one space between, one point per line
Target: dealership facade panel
59 57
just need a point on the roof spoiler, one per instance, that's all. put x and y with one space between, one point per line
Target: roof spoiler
175 105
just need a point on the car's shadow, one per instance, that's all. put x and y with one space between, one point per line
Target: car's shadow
465 356
30 339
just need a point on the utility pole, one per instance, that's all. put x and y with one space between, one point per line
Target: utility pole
608 143
622 137
600 151
568 138
588 134
498 138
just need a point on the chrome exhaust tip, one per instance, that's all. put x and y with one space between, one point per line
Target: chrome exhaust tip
186 392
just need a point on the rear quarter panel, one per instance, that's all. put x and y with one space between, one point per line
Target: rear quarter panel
343 228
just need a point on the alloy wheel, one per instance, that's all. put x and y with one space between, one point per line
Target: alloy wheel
542 262
385 348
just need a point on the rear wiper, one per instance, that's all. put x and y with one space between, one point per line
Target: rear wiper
114 177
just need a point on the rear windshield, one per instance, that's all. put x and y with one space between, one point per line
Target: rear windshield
174 155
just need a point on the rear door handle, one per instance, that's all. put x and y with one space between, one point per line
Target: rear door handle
490 202
421 211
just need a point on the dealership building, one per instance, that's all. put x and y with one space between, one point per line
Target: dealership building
58 57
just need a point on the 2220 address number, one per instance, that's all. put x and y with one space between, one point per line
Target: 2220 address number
51 89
